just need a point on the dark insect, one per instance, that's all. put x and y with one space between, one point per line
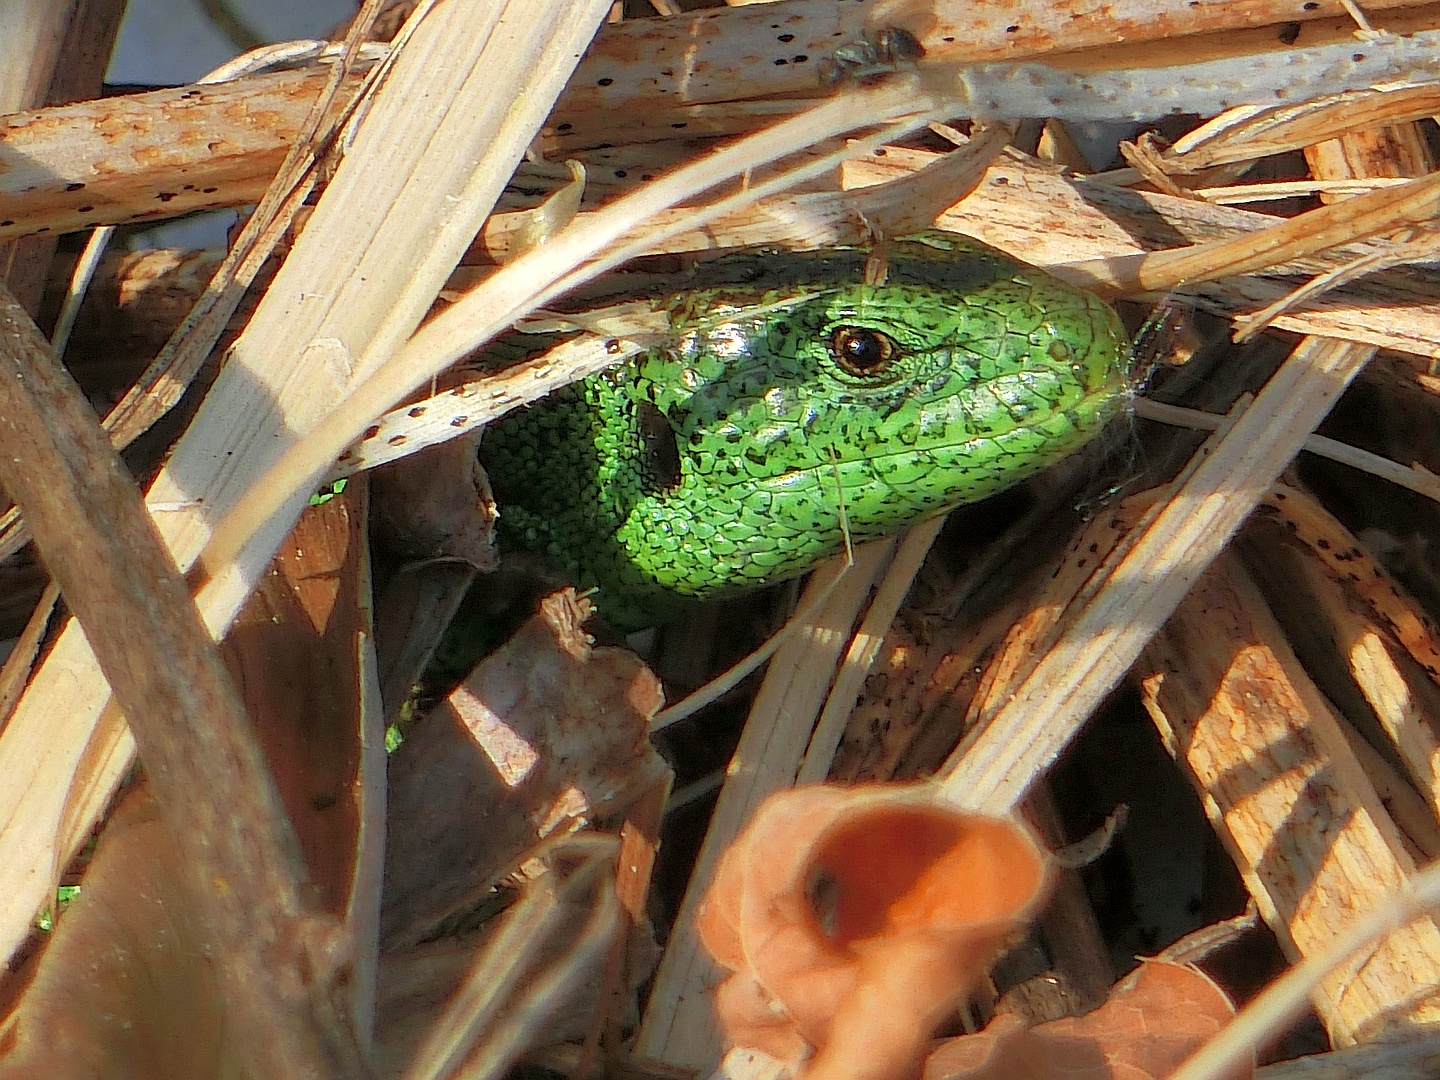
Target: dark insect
869 57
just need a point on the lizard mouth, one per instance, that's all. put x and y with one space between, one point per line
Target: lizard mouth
1061 427
961 457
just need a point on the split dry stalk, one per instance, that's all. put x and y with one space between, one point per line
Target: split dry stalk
1288 798
1386 210
1241 135
863 650
679 1026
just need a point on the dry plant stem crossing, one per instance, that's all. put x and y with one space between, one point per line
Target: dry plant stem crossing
1147 579
203 762
1284 999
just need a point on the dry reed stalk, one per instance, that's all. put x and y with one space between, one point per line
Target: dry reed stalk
1289 799
641 79
31 35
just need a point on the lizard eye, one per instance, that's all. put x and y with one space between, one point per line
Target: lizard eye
860 351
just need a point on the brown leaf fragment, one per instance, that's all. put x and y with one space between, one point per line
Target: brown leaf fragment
1155 1018
437 505
435 511
544 735
633 956
412 613
128 986
855 918
293 652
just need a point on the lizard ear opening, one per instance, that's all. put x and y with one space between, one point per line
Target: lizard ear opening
662 451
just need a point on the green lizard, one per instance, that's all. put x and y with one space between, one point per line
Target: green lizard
794 403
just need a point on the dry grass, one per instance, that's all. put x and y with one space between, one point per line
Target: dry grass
693 134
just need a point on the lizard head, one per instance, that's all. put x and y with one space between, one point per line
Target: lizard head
798 401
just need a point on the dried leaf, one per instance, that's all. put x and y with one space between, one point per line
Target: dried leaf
128 987
1154 1019
437 505
855 918
294 654
541 737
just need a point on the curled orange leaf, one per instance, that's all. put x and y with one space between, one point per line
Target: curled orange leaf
854 919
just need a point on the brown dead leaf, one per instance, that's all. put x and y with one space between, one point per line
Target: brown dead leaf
1154 1019
437 505
294 654
128 987
544 735
855 918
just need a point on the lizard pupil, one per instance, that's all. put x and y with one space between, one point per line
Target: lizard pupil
860 351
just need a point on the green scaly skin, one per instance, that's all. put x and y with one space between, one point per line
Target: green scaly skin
722 461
